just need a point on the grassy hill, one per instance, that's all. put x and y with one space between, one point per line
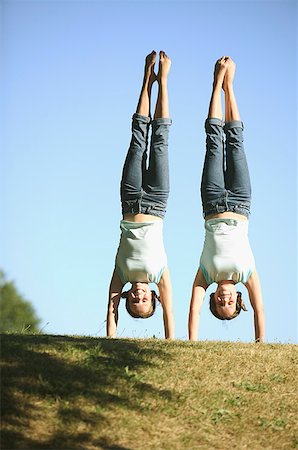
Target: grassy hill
80 393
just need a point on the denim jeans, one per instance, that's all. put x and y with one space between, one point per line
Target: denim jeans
225 182
146 189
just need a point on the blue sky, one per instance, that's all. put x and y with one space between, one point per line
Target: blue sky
70 83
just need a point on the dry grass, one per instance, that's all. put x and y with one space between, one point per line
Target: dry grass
78 393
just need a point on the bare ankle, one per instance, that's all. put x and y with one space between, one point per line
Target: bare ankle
217 85
228 87
162 80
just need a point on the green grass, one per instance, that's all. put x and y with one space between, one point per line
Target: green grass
80 393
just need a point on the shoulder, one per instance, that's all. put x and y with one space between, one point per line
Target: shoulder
253 279
165 278
200 279
116 283
165 289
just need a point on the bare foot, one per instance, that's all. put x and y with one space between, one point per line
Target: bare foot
220 70
149 66
230 73
164 66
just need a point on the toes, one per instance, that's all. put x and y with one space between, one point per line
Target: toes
163 56
150 59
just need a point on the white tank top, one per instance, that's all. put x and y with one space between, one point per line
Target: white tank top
141 255
227 254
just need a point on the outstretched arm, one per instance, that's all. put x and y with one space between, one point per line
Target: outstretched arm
255 296
197 297
116 286
165 292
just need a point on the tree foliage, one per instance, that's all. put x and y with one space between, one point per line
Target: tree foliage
16 313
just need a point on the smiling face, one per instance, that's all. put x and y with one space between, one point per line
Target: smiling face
225 298
140 299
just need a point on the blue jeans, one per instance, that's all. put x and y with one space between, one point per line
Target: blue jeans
146 190
225 180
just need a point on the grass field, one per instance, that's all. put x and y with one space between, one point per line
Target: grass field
63 392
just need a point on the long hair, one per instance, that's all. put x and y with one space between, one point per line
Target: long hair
239 306
145 315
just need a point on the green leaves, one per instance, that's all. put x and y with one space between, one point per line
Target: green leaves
16 313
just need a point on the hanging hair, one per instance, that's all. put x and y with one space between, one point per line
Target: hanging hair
144 315
239 306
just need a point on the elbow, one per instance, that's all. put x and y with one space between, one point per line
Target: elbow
194 315
168 315
259 312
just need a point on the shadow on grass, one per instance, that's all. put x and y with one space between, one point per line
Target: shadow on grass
59 389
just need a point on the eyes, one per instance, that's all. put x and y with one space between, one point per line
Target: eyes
137 300
230 302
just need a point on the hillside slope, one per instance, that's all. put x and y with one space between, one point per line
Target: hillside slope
80 393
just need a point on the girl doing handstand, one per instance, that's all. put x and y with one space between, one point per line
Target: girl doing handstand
141 258
226 258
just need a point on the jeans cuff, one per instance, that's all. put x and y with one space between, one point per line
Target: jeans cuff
144 119
234 124
162 121
214 121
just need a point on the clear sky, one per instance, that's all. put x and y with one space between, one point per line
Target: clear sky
70 79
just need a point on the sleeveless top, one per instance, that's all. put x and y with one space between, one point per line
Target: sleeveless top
141 254
226 254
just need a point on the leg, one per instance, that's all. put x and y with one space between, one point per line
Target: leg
162 103
237 174
231 108
143 107
212 185
135 162
157 176
215 108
